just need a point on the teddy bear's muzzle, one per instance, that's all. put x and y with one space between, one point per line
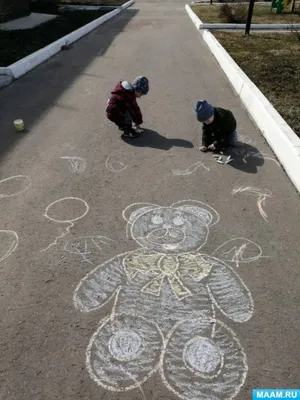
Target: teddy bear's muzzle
166 236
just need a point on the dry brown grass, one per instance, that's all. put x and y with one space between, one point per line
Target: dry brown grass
261 15
272 62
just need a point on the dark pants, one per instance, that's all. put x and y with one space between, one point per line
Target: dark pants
127 119
125 122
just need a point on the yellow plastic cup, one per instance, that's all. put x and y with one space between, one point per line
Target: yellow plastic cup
19 124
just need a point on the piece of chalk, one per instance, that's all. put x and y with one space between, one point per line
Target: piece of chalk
220 161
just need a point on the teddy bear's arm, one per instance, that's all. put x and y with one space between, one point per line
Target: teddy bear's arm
229 293
99 286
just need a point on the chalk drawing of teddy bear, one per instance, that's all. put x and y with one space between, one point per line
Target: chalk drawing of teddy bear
165 297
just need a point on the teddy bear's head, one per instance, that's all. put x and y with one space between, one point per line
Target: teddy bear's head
180 228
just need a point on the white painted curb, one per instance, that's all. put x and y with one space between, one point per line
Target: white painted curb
5 71
202 25
128 4
281 138
196 20
207 2
87 8
272 27
26 64
78 7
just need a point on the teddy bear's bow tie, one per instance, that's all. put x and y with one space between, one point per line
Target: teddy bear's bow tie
172 268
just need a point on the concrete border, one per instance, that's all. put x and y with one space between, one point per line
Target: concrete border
26 64
216 3
281 138
272 27
5 80
5 71
207 3
78 7
86 8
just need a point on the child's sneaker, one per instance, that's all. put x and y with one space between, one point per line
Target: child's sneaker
129 132
138 129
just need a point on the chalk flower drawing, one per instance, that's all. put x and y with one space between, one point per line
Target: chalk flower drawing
261 195
166 294
76 164
239 250
241 151
257 154
246 140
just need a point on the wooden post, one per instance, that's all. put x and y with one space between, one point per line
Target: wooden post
249 18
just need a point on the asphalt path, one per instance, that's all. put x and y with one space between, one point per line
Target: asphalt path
181 317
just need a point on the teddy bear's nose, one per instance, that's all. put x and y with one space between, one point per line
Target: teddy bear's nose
167 226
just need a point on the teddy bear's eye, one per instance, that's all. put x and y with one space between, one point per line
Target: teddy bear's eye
178 220
156 219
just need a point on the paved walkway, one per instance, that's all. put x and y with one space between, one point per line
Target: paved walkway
28 22
165 348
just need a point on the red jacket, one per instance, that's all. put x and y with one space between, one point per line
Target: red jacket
123 99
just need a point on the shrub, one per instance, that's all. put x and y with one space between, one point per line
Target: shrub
12 9
234 13
231 1
43 6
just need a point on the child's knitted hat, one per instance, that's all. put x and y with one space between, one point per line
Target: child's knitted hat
141 84
204 110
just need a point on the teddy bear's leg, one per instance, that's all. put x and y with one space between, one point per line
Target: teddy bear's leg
204 360
124 352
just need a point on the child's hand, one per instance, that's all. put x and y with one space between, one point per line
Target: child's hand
203 148
212 147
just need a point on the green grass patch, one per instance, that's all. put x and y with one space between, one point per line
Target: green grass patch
272 62
20 43
261 15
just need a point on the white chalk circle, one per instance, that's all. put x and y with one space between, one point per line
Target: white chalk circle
14 185
203 359
124 352
125 345
68 209
202 355
114 165
8 243
119 160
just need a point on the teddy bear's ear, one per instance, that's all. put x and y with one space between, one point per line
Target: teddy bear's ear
208 214
132 212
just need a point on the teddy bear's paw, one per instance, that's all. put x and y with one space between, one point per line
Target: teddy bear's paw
203 359
124 352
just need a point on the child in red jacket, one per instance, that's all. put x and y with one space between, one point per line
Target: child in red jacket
122 107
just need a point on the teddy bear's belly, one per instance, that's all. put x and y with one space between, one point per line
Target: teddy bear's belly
164 308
